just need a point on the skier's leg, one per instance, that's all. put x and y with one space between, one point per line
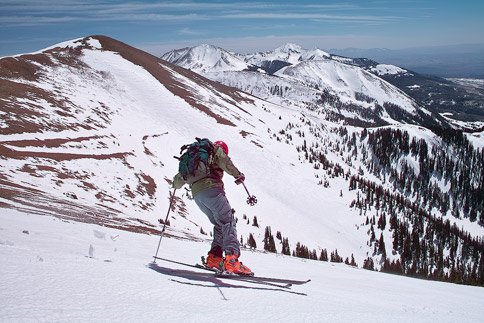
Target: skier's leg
214 199
217 242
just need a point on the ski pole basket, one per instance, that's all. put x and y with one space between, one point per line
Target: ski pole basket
251 200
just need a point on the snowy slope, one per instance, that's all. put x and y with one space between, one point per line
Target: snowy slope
346 81
90 128
314 54
109 164
386 69
71 272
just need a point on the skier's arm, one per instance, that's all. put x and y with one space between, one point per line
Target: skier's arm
225 163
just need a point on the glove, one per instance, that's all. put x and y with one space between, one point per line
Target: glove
178 181
240 179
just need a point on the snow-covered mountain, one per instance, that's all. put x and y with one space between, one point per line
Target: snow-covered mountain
314 79
289 53
458 104
204 58
89 129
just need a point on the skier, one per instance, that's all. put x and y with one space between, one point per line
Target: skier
209 194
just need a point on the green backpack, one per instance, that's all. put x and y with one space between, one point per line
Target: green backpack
196 159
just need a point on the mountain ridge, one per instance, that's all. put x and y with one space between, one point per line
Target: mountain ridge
452 103
322 74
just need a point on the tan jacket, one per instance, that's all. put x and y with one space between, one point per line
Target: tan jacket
221 163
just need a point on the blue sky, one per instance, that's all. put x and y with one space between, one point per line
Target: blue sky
242 26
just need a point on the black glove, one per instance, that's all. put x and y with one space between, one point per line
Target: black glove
240 179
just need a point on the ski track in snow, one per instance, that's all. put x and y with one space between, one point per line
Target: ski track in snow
47 275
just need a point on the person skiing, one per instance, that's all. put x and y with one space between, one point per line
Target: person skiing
209 195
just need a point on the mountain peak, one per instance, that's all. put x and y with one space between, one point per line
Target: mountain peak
290 47
314 54
205 57
207 47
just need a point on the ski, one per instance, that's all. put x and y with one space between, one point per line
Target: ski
185 264
286 283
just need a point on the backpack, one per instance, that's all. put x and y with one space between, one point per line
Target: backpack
196 159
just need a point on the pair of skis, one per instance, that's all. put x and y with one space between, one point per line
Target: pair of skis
277 282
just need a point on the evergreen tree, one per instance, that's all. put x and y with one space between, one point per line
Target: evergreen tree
251 242
285 247
368 264
302 251
381 247
255 223
269 243
335 257
324 255
353 262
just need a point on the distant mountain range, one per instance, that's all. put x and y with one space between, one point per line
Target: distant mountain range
456 61
313 77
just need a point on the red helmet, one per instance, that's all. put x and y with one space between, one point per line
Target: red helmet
224 146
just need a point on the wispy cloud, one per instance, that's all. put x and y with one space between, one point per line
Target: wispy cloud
309 16
30 12
34 20
188 31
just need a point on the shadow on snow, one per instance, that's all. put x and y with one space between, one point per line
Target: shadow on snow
201 279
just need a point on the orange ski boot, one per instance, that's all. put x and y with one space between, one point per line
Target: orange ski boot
234 266
214 261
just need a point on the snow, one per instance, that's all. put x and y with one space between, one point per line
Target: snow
206 57
134 97
476 125
346 80
66 271
475 83
94 43
314 54
300 83
58 271
288 53
386 69
477 138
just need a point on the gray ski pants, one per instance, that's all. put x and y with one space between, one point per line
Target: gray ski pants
214 204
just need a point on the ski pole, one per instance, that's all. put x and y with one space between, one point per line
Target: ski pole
164 225
251 200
